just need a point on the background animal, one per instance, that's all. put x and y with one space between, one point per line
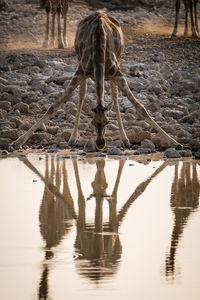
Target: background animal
55 8
190 6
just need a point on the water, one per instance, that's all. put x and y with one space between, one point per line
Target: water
99 229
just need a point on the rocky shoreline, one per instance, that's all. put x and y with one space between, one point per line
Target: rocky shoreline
163 74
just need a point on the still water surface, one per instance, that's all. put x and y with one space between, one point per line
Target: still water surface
99 229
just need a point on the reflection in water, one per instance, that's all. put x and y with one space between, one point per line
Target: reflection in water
184 200
56 212
97 246
54 217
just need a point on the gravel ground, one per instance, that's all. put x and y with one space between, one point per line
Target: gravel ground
163 73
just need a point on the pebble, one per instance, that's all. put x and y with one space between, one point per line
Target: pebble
114 151
172 153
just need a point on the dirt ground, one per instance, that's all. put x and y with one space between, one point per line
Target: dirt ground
163 73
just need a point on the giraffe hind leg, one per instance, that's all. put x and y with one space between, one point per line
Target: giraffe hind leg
141 111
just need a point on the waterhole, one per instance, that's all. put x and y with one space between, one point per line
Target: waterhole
99 228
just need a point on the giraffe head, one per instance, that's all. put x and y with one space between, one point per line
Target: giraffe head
100 120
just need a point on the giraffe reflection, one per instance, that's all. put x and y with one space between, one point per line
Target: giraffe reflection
55 219
98 246
184 200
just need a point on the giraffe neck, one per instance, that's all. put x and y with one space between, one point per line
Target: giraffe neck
99 48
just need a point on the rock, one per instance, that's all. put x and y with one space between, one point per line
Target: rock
99 154
136 134
11 134
185 153
197 154
38 137
5 105
22 107
114 151
63 145
52 130
141 151
148 144
16 120
38 84
30 97
138 69
194 144
82 153
172 153
90 146
66 134
25 126
175 114
4 143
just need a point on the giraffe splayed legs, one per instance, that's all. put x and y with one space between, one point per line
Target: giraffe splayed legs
98 45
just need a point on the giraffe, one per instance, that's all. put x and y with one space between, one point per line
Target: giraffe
98 45
184 201
55 7
192 6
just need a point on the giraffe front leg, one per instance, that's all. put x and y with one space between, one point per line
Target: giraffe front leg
114 96
50 112
82 91
142 112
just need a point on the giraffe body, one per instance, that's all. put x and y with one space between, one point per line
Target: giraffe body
98 45
191 6
56 8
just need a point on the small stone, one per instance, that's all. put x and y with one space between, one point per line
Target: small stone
185 153
10 134
197 154
66 135
99 154
114 151
22 107
148 144
81 153
90 146
172 153
53 130
4 143
5 105
4 153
